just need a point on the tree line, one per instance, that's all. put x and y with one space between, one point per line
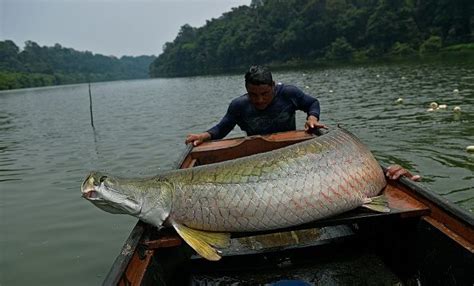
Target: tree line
42 66
294 32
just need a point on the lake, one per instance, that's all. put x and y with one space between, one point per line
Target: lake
51 236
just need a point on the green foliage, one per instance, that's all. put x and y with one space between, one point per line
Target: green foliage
280 33
402 49
42 66
431 45
460 47
340 49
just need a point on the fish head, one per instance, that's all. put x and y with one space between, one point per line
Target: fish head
111 194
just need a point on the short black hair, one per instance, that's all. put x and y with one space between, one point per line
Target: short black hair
258 75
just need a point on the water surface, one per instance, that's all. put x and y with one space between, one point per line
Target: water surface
51 236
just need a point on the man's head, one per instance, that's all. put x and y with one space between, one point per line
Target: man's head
260 85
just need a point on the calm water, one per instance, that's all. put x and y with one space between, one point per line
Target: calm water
51 236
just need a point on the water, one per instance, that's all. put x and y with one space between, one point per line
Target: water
51 236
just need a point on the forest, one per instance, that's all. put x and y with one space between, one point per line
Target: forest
315 32
42 66
278 33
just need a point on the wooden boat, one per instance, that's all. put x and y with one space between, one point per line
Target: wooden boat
424 240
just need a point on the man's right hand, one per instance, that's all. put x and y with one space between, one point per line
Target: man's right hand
394 172
313 122
197 139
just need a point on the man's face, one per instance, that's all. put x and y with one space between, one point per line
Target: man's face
260 95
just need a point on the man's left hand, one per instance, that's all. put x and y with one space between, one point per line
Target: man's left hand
395 171
313 122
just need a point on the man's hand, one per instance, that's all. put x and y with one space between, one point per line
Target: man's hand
197 139
313 122
395 171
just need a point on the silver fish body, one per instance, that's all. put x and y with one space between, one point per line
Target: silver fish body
294 185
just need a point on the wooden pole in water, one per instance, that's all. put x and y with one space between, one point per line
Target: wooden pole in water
90 105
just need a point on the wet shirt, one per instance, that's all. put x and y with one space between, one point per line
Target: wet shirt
279 115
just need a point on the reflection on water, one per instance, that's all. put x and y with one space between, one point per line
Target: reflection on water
47 147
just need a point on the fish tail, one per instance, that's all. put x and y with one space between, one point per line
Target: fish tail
378 204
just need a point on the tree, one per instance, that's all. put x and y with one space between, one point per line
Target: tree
340 49
432 44
40 66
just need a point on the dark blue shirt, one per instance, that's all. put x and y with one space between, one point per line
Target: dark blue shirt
279 115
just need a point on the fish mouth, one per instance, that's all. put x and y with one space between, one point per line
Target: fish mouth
90 195
89 188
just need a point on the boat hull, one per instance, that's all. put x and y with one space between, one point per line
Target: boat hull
424 239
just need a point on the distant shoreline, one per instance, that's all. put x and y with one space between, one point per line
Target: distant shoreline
461 53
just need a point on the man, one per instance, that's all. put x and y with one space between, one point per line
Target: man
268 108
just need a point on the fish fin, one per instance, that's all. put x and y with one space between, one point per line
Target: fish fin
378 204
202 241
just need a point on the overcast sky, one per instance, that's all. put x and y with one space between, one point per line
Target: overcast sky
108 27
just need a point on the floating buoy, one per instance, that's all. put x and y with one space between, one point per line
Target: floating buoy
399 100
306 86
457 109
455 90
330 91
433 107
442 106
470 148
378 75
403 77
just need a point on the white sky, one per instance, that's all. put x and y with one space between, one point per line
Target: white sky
108 27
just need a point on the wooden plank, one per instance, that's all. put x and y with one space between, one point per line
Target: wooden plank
137 268
163 242
228 149
454 236
125 256
452 217
287 240
403 204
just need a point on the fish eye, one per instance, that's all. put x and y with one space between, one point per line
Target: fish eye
102 179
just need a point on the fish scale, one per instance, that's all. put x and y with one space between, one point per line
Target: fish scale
324 176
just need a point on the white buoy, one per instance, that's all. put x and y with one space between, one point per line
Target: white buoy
430 109
442 106
403 77
455 90
457 109
378 75
330 91
306 86
470 148
399 100
434 105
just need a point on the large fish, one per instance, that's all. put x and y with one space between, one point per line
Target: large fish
314 179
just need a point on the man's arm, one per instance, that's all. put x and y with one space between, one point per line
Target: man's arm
308 104
219 131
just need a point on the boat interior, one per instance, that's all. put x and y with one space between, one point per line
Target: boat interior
421 241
